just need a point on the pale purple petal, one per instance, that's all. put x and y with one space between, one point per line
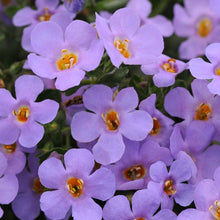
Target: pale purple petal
24 17
184 194
193 214
124 22
214 86
6 102
45 111
62 18
215 5
42 66
136 125
98 98
201 69
79 161
126 100
165 214
26 38
164 79
85 127
47 3
52 173
55 204
86 209
28 87
117 207
31 134
158 171
212 52
3 164
150 69
69 78
8 188
9 133
1 212
101 184
166 29
47 39
109 148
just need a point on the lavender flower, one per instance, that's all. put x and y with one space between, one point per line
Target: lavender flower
164 69
46 10
65 56
74 186
201 69
20 118
113 118
125 40
144 205
199 24
169 185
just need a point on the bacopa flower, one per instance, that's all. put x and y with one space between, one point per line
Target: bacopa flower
73 5
201 69
164 69
199 24
126 41
113 118
65 56
74 185
46 10
144 206
20 118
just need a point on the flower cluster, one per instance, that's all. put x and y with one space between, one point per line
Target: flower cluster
102 118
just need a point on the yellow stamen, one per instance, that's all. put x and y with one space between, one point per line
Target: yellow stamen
134 172
203 112
215 210
122 47
10 149
37 186
111 120
169 188
204 27
217 72
169 66
139 218
46 16
75 186
67 60
22 113
156 127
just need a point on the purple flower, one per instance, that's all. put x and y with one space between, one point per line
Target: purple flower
8 184
20 118
144 206
132 170
125 40
201 69
113 118
162 125
143 8
46 10
73 5
206 199
164 69
73 186
215 5
202 106
65 56
199 24
169 185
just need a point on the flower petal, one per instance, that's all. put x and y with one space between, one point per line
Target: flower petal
24 17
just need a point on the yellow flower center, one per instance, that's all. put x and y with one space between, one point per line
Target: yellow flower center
139 218
122 47
75 186
215 210
22 113
134 172
204 27
169 187
156 127
203 112
111 120
37 186
10 149
45 16
170 66
217 71
67 60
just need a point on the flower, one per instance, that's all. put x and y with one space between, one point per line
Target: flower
74 185
73 5
199 24
112 117
201 69
164 69
20 118
64 56
126 41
